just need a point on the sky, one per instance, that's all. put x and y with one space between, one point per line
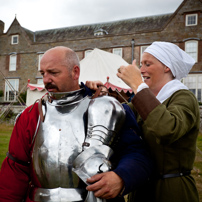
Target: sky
38 15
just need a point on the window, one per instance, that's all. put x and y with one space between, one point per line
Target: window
117 51
39 60
14 39
194 83
191 47
13 62
11 89
87 52
142 49
100 32
191 19
39 81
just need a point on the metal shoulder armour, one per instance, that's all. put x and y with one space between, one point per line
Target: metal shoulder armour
106 117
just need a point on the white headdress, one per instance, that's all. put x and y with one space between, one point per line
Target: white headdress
179 62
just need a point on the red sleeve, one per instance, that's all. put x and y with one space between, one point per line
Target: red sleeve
14 177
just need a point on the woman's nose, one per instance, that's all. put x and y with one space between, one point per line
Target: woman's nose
142 68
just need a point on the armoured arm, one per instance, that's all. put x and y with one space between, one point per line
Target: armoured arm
131 163
105 118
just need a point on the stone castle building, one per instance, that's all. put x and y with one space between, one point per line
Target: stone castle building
21 49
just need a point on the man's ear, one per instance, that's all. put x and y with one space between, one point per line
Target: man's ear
75 72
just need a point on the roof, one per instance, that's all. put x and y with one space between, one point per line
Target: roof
121 27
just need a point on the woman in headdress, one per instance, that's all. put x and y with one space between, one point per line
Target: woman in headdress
168 114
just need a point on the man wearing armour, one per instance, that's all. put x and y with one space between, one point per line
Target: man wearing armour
69 147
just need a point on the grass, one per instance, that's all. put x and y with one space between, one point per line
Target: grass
5 133
6 129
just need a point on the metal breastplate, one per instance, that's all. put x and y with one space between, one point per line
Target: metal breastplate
58 142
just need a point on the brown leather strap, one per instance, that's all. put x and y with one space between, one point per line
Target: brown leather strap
98 91
42 102
42 117
33 105
24 163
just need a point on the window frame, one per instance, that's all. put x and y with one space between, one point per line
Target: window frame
187 19
39 60
87 52
8 90
189 52
99 33
39 81
141 52
12 62
196 86
12 39
118 49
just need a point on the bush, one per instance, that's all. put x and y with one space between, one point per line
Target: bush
23 97
9 115
1 93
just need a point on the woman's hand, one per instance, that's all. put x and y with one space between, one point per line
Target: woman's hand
131 75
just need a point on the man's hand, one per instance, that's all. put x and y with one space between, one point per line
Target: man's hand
106 185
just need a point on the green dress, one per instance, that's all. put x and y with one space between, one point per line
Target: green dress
170 131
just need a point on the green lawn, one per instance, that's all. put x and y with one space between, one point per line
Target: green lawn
5 133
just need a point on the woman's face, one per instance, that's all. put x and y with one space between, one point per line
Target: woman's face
154 73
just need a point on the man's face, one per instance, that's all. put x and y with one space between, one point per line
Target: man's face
56 75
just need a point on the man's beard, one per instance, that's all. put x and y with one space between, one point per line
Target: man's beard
51 86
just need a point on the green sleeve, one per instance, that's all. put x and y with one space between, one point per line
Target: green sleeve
170 120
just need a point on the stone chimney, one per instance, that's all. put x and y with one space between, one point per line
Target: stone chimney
1 27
